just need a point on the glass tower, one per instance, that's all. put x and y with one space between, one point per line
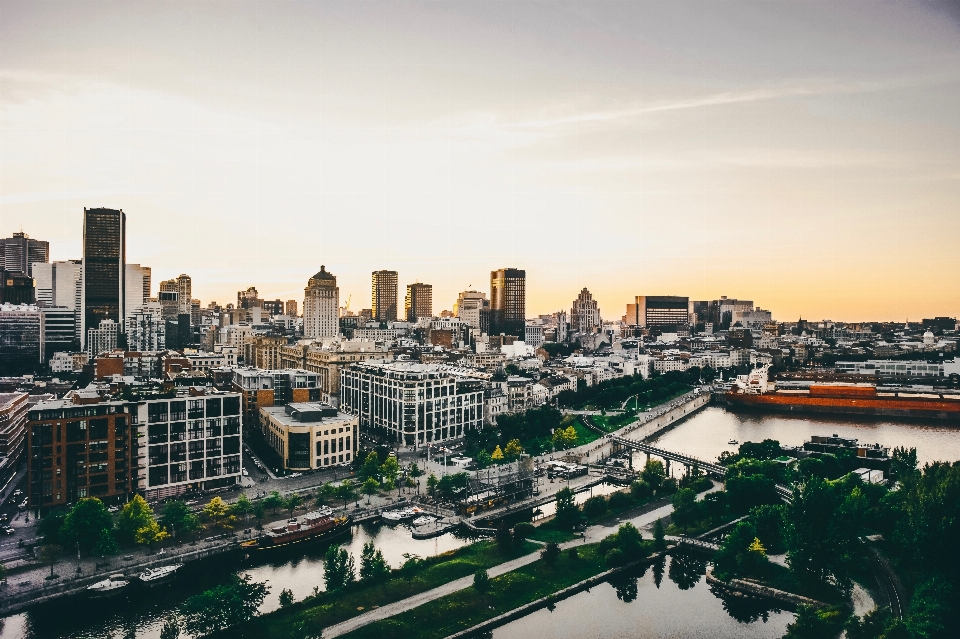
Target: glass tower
104 259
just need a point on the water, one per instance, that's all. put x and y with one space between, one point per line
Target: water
705 435
654 612
669 599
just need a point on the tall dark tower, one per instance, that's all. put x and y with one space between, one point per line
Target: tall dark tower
104 259
508 302
383 295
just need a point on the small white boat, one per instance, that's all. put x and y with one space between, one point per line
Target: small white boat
395 515
112 585
733 442
424 520
156 576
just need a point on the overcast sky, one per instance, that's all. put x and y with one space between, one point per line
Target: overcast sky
803 155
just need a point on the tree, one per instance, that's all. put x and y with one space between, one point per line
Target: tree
550 553
686 510
292 502
85 523
564 438
410 566
513 449
370 468
451 487
504 537
225 605
135 515
259 512
177 517
659 543
595 506
370 487
286 597
522 532
629 540
273 501
820 542
373 567
415 473
432 483
346 491
243 506
568 513
497 455
737 554
49 555
484 459
481 583
171 628
653 473
218 512
325 494
150 534
390 469
106 544
338 569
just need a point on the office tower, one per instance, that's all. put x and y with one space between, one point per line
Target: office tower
508 302
383 296
584 313
59 330
135 287
103 338
104 257
147 281
248 298
418 302
146 328
291 308
664 312
21 349
473 307
185 289
16 288
19 253
271 308
321 306
169 297
58 285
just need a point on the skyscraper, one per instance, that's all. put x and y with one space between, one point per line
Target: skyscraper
135 286
321 306
508 302
584 313
473 307
104 257
418 302
383 295
19 253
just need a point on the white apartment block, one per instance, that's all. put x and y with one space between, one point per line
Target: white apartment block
414 404
146 328
899 368
103 338
309 435
321 306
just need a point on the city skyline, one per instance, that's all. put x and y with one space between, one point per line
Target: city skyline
756 151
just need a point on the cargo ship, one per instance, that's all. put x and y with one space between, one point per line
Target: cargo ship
755 390
312 527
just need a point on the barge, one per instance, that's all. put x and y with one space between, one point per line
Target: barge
312 527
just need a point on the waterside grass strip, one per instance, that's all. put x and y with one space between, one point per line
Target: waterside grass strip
757 590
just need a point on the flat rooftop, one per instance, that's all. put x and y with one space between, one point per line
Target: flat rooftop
306 414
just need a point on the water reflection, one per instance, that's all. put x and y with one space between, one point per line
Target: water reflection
642 605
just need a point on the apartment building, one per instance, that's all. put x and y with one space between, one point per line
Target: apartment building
310 435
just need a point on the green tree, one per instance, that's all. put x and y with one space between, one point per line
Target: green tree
105 544
481 583
370 468
49 554
259 512
550 553
659 542
568 513
595 506
373 567
243 507
273 501
150 534
653 473
522 532
338 569
85 523
346 491
292 502
177 518
370 487
390 469
821 540
223 606
484 459
686 510
504 537
732 560
410 566
135 515
286 597
629 540
325 494
432 483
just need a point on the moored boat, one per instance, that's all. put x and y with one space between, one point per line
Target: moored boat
112 585
423 520
312 527
157 576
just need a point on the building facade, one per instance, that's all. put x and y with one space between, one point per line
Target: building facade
21 338
413 404
383 295
584 313
321 306
19 253
508 302
103 338
146 328
663 312
308 436
418 302
103 273
16 288
13 432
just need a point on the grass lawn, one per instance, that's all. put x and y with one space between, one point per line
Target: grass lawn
326 609
463 609
781 578
547 533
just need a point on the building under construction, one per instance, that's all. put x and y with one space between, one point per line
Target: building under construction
499 485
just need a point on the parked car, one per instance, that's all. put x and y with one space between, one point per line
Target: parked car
113 509
23 505
17 492
7 530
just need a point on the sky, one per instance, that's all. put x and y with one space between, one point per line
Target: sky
805 155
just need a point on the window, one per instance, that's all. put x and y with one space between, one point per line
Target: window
214 407
98 428
158 433
196 430
178 473
213 428
158 454
195 450
231 465
76 431
159 475
231 445
231 405
214 448
178 410
178 452
231 425
178 432
196 470
157 412
214 467
195 407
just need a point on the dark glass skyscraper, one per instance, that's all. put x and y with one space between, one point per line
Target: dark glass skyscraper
19 253
383 295
104 259
508 302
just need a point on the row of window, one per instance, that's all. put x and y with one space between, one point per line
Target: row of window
178 452
192 471
198 429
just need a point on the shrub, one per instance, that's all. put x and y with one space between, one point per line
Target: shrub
620 500
573 553
522 532
668 487
595 507
551 553
614 558
640 490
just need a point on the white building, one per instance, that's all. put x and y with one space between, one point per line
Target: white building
534 333
146 328
321 306
103 338
412 403
309 435
899 368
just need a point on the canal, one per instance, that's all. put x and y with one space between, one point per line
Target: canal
659 604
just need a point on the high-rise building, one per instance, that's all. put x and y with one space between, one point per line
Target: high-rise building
58 285
16 288
146 328
473 307
135 288
508 302
248 298
664 312
321 306
59 330
103 338
290 310
185 289
418 302
104 256
147 273
19 253
21 346
383 296
584 313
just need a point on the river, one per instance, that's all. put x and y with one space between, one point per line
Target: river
655 612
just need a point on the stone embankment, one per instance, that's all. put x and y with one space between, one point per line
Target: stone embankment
752 589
